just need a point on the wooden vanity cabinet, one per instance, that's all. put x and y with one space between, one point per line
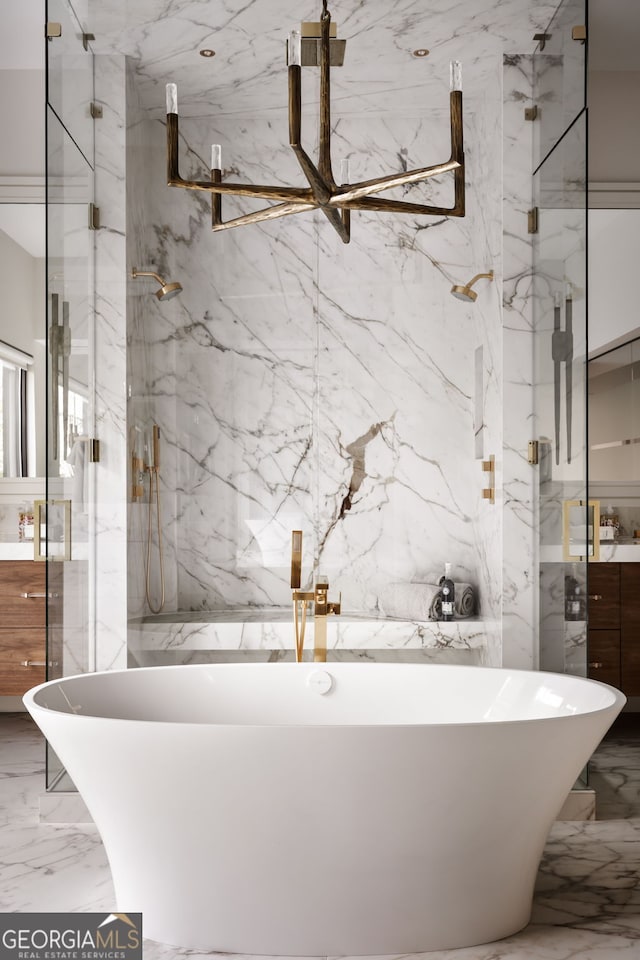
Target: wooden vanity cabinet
613 634
22 625
630 628
603 634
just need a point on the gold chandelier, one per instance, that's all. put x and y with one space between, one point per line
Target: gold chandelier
335 200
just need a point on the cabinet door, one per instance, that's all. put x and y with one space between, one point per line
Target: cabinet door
22 653
604 656
630 633
22 593
604 595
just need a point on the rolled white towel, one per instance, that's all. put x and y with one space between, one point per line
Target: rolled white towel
409 601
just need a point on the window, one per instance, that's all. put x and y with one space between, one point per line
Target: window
16 412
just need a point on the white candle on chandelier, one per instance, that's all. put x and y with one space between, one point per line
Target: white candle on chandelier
216 156
345 170
172 98
295 49
455 73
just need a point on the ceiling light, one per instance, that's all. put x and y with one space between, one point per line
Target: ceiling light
335 200
421 52
207 53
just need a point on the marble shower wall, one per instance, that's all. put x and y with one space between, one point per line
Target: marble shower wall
303 383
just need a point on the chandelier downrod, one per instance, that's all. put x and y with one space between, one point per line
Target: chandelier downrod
335 201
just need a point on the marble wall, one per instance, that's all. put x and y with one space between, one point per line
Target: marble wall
302 383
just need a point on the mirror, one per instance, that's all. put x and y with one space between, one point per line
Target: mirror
22 340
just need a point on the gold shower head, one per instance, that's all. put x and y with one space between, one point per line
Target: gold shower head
166 291
466 293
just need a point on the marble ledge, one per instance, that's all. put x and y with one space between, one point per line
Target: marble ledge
16 550
192 632
609 553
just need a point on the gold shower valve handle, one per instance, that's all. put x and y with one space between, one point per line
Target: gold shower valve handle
334 607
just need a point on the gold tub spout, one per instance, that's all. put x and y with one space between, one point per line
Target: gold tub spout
302 600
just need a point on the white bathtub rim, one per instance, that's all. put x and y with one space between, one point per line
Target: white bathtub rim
617 702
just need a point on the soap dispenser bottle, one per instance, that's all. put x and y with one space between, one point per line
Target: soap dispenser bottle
448 591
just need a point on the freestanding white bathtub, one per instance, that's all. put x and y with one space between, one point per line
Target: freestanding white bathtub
324 809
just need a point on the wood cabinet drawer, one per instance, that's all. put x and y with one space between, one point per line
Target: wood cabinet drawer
16 647
630 594
631 660
604 595
22 593
604 656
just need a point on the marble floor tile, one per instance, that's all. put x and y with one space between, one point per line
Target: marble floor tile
586 905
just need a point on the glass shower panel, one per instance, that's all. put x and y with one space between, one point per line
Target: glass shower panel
70 76
64 522
559 77
566 519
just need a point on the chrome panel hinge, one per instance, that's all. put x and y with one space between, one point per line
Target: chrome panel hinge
542 39
87 38
53 30
579 32
531 113
94 217
533 455
95 110
532 220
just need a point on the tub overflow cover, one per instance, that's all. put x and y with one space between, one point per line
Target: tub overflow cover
320 681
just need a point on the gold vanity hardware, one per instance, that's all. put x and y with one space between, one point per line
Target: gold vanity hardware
596 664
533 452
38 663
589 518
38 596
40 539
595 596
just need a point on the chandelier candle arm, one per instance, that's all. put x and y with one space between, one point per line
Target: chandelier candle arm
345 174
320 189
298 195
325 102
268 213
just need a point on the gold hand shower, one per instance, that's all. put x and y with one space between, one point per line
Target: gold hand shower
154 481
